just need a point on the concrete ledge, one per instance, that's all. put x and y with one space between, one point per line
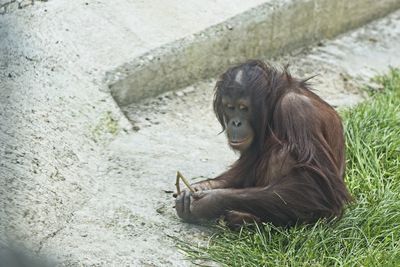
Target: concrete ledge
268 30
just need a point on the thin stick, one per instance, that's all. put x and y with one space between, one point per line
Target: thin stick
178 188
181 177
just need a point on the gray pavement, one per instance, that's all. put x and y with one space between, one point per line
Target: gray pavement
81 181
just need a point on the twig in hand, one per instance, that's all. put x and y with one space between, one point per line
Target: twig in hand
179 176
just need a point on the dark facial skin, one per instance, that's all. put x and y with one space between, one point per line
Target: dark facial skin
237 113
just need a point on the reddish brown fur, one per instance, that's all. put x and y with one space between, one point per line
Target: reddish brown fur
293 171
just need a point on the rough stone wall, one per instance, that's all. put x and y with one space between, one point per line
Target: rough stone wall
9 5
269 30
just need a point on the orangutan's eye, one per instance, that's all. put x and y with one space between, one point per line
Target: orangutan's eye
243 107
230 107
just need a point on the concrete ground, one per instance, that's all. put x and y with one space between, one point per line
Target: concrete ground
84 183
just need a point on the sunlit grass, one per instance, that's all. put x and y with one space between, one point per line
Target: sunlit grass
369 232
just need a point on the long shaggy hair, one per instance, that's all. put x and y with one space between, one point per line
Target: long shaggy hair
289 118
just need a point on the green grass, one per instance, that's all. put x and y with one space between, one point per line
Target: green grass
369 232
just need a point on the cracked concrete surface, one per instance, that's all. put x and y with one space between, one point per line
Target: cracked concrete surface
12 5
79 180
